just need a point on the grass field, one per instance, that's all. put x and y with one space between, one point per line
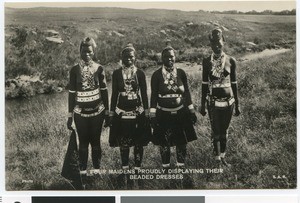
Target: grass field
262 141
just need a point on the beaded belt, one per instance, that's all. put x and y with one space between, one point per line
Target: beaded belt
221 85
78 110
169 95
87 96
87 93
171 110
225 102
129 114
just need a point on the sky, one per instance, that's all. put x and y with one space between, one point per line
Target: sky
177 5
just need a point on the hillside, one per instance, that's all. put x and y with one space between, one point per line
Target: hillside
29 51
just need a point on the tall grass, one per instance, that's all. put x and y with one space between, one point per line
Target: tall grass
27 51
261 147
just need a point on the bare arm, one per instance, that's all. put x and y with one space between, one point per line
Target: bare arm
234 86
234 80
204 86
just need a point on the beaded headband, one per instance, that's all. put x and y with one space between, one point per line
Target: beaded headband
129 47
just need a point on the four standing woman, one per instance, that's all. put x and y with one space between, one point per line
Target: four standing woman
172 113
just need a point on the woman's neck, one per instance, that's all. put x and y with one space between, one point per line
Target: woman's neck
217 55
169 69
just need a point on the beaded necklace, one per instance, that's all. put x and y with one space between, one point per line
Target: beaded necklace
170 78
129 75
218 64
87 74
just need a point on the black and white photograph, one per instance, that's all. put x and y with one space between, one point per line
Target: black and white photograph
195 95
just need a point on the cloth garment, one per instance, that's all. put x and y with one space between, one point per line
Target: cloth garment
88 101
174 126
130 127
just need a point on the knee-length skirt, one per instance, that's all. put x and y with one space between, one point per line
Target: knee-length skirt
173 129
126 132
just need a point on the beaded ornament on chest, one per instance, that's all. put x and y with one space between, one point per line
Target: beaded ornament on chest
218 65
87 74
129 78
170 79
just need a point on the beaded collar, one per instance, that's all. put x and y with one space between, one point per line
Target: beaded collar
130 83
218 64
128 72
89 66
87 71
170 78
82 63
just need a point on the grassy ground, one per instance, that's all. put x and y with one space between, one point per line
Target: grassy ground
262 141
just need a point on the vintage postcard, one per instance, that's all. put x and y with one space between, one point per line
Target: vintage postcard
150 95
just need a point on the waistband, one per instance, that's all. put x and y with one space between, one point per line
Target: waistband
221 85
87 96
87 93
129 114
99 109
169 95
224 102
88 99
171 110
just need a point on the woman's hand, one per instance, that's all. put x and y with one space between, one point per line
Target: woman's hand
69 123
153 119
202 110
107 122
237 111
193 118
153 122
109 119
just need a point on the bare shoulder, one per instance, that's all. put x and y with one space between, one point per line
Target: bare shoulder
231 59
99 66
206 59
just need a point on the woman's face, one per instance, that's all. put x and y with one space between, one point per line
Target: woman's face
86 53
168 58
217 46
128 58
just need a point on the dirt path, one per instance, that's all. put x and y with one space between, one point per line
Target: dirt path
263 54
194 68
